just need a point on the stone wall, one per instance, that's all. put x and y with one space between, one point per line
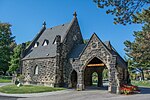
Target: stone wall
72 38
96 48
46 71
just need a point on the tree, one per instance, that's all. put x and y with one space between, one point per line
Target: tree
139 49
15 58
124 10
6 39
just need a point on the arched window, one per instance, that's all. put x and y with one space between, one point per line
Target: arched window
36 70
45 43
36 44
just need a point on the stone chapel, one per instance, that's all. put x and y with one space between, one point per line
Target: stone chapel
59 57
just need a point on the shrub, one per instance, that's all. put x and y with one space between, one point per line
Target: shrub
128 89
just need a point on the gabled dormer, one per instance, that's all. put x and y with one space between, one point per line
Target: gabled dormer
45 42
36 44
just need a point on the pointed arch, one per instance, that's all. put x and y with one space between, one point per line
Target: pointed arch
90 59
73 79
36 70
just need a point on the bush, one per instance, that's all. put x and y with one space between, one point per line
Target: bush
6 77
128 89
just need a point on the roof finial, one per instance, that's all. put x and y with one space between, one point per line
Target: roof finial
75 14
44 24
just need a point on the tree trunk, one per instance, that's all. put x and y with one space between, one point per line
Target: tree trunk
142 74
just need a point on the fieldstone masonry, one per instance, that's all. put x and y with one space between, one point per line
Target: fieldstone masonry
64 60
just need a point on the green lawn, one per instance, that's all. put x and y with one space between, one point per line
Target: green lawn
141 83
13 89
5 80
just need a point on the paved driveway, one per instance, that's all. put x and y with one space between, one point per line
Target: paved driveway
89 94
93 95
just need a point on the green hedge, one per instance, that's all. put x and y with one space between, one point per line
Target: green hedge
6 77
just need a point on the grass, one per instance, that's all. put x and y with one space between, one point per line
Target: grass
5 80
13 89
141 83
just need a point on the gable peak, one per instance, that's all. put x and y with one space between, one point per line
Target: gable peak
94 34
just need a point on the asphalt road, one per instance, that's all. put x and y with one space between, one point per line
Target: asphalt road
7 98
89 94
93 94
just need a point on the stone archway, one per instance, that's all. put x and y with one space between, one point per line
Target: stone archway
94 66
73 79
110 62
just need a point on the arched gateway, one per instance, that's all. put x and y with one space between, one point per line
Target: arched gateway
65 60
95 57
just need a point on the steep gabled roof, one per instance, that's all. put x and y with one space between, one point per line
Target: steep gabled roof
76 51
120 60
80 48
48 34
94 34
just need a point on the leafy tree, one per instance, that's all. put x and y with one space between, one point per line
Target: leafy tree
124 10
15 58
6 39
139 49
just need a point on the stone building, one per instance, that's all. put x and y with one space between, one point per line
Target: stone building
58 56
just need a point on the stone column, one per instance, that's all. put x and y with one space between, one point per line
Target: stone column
100 79
80 81
114 84
117 82
59 71
110 79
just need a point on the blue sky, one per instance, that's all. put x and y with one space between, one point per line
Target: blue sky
27 16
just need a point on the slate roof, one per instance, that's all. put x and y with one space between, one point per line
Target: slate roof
76 51
49 50
120 60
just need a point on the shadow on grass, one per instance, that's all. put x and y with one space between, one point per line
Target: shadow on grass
144 90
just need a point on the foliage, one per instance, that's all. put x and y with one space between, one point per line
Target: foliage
105 74
124 10
6 77
5 80
141 83
6 45
138 50
128 89
94 78
13 89
15 58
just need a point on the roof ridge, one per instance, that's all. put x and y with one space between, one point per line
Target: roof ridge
59 25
